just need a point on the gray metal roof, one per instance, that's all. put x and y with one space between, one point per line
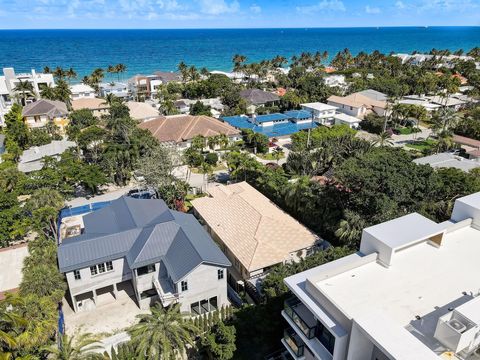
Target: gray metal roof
373 94
144 232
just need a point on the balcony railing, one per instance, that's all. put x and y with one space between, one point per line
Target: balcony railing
294 342
165 291
292 308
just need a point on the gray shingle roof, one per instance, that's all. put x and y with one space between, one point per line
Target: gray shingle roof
51 108
257 97
144 232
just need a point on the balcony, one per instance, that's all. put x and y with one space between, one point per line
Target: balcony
301 316
165 290
293 343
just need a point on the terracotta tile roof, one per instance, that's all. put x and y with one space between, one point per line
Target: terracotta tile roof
255 230
89 103
463 140
357 100
178 128
258 97
141 111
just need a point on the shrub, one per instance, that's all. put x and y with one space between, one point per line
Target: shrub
211 158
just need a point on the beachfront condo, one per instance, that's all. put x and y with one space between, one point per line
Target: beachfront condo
411 292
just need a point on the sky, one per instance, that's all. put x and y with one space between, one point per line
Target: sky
125 14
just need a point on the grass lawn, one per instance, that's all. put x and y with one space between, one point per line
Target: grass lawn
269 156
191 197
422 145
218 167
407 130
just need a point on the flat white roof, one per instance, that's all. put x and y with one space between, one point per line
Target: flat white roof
404 230
319 106
347 118
423 281
77 88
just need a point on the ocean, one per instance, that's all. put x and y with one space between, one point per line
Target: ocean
146 51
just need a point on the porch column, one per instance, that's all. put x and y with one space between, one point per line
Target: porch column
95 296
115 291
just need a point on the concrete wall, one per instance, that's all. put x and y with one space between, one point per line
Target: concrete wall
203 284
89 282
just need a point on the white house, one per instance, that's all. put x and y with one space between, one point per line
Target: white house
322 113
411 292
344 119
357 105
117 88
142 247
9 80
80 91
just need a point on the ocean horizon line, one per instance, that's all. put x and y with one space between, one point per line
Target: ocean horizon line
252 28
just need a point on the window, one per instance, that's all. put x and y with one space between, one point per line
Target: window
76 274
220 274
101 268
195 308
325 337
213 303
146 269
204 306
184 285
148 293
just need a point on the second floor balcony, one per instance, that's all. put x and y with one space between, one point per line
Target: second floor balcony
293 343
301 316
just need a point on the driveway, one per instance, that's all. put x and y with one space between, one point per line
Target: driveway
109 317
402 140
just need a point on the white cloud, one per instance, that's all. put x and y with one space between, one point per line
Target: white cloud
255 9
372 10
324 5
449 5
218 7
400 5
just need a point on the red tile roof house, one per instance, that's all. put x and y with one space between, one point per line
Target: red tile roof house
179 130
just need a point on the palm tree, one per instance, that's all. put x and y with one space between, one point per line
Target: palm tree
238 61
204 72
384 139
24 88
80 348
223 140
121 68
199 142
111 99
71 74
183 69
59 73
8 322
295 194
350 228
277 153
193 73
46 70
48 92
212 142
206 170
163 334
112 69
63 92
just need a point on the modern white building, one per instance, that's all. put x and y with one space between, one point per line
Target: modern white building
410 293
344 119
141 247
9 80
81 91
322 113
117 88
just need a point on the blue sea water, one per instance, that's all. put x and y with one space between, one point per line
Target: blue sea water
145 51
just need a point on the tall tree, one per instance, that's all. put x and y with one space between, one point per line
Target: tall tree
163 334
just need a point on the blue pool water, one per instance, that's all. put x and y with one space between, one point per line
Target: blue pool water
145 51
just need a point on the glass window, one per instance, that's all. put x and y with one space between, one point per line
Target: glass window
195 308
220 274
93 270
101 268
184 286
76 274
204 306
109 265
213 303
325 337
148 293
146 269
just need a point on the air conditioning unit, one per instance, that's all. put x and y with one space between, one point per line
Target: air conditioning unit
457 325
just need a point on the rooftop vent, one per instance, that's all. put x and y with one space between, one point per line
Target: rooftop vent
457 325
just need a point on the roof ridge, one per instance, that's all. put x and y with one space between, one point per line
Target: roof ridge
147 227
191 125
